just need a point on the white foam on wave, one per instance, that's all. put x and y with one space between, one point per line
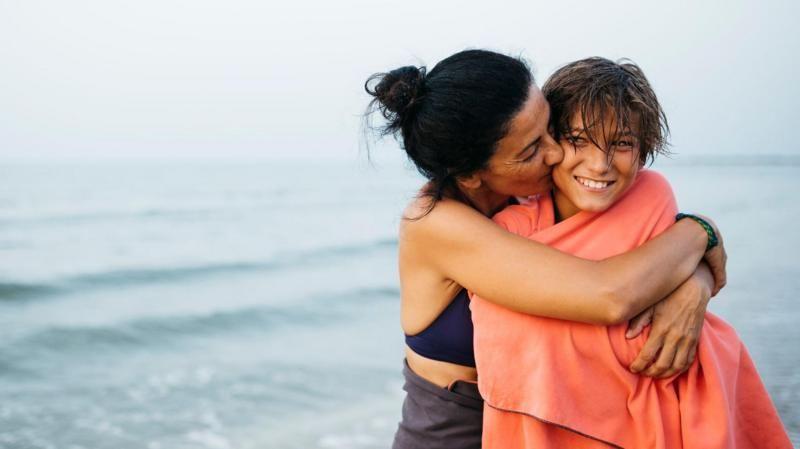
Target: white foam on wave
358 440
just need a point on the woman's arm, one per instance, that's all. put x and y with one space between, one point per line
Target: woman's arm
461 244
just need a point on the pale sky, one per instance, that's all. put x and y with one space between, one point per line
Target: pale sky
235 78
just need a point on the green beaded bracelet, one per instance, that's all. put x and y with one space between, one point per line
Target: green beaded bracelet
712 236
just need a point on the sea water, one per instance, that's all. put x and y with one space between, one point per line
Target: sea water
254 304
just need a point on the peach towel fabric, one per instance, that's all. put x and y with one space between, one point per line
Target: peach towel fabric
550 383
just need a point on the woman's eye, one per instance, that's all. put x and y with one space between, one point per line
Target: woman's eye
530 157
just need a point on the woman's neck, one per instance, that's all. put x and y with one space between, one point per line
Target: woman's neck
564 208
485 201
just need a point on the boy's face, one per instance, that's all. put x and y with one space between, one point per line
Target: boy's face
586 179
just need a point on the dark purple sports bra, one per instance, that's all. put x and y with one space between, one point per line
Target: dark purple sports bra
449 337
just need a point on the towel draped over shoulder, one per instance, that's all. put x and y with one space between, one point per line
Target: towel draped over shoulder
551 383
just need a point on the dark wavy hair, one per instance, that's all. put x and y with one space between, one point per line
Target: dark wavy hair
449 120
603 91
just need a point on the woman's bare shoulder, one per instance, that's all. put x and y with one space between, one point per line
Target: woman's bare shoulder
445 221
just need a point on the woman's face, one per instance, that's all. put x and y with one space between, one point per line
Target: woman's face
522 163
586 179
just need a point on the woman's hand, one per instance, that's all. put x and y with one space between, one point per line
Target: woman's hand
677 322
637 324
717 259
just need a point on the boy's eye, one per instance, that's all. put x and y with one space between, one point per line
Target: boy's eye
623 144
575 140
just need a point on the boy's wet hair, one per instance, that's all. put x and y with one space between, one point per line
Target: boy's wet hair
603 92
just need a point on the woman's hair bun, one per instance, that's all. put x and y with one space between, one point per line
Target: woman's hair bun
449 120
397 90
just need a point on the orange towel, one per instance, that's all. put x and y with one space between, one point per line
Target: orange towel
559 384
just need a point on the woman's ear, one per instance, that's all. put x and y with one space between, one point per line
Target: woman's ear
470 182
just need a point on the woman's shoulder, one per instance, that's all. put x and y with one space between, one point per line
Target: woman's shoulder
425 219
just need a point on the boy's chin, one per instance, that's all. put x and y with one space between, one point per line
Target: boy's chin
595 206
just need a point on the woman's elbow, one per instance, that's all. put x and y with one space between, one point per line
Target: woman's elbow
618 308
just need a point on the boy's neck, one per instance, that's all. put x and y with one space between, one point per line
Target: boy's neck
563 206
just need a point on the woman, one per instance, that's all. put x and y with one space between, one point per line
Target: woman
568 385
476 127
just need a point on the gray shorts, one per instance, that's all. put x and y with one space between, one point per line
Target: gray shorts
439 418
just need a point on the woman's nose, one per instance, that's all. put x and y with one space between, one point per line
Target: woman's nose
553 153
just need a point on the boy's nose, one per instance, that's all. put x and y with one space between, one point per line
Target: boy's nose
596 159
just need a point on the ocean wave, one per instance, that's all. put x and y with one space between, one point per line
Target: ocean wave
162 330
46 219
735 160
11 291
143 276
255 204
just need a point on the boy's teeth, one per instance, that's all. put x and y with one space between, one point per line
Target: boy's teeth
593 184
